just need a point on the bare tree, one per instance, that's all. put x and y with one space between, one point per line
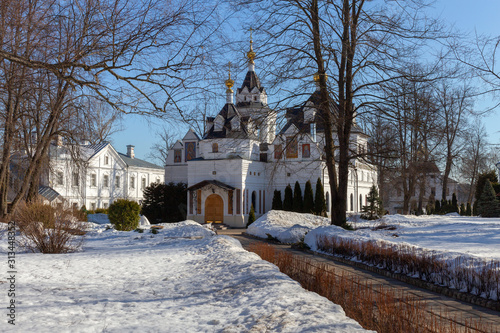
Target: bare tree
135 56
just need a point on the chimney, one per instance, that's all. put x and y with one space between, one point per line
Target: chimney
130 151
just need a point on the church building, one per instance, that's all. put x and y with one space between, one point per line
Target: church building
242 158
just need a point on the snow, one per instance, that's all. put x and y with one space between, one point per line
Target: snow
183 279
287 227
99 218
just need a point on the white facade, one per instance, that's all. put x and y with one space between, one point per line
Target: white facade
102 176
238 162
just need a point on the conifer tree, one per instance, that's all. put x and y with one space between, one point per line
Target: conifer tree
437 207
251 216
462 209
454 203
288 201
431 205
374 209
277 203
297 198
488 205
468 210
308 199
319 199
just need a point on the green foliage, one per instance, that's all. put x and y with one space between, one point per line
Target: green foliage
474 209
308 199
124 214
468 210
165 202
288 202
430 208
481 180
374 209
277 203
437 207
488 205
297 198
462 209
251 216
454 204
319 199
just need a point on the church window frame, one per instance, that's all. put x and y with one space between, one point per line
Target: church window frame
215 147
177 155
278 151
292 147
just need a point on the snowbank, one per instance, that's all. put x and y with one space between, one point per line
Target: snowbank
144 282
98 218
287 227
185 229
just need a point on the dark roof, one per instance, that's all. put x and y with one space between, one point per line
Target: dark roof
425 167
97 147
48 193
228 112
210 182
295 115
138 163
251 81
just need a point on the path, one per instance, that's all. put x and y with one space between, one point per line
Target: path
440 304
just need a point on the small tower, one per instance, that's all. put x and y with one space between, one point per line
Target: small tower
229 84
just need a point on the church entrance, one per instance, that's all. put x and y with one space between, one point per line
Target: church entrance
214 209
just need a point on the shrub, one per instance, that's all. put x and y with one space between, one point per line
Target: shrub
297 198
46 229
165 202
468 210
462 209
124 214
308 199
488 205
251 216
277 203
288 201
319 199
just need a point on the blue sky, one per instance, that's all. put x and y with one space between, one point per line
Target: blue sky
469 16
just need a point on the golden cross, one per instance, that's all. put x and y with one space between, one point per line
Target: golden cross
251 30
229 68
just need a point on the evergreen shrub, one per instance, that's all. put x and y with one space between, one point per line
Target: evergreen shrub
124 214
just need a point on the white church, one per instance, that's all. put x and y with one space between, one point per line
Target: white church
241 158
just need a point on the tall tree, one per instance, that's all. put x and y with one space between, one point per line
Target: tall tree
308 198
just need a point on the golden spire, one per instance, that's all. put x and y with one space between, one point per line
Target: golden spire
229 82
316 77
251 53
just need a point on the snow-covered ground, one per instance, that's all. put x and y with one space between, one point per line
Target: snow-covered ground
287 227
459 235
183 279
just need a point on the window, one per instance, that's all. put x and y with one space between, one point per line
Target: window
327 202
190 151
76 179
215 147
143 183
106 160
117 181
105 181
93 180
158 180
352 202
59 178
92 206
132 182
75 206
105 205
360 202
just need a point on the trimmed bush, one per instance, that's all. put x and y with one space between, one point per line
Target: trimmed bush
288 202
297 198
124 214
308 199
251 216
319 199
277 203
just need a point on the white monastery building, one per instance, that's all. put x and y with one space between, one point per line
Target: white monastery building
241 158
101 176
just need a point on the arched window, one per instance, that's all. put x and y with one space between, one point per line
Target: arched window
352 202
254 200
327 202
360 202
215 147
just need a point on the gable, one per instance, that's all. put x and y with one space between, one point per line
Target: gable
191 135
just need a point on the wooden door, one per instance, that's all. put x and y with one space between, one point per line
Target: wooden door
214 209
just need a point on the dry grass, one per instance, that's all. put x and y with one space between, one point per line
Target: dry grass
379 309
47 229
473 275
